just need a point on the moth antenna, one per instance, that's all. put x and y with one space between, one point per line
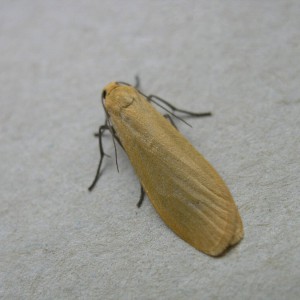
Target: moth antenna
174 108
115 147
137 82
111 130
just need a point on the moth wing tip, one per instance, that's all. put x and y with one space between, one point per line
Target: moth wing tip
239 231
234 239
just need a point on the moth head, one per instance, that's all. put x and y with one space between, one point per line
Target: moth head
117 96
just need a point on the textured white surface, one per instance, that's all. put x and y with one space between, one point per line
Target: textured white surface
239 59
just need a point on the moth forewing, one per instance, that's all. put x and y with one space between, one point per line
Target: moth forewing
186 191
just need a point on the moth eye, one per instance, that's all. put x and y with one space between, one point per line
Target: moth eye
103 94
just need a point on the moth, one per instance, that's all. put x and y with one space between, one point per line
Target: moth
184 188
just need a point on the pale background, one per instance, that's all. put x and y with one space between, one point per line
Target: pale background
238 59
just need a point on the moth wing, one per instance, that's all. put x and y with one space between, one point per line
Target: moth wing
186 191
191 198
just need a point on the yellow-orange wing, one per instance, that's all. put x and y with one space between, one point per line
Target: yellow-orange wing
186 191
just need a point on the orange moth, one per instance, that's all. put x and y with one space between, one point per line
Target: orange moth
186 191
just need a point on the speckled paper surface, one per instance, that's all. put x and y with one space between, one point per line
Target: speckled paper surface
238 59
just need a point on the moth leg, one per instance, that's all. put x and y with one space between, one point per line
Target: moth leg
170 119
102 154
96 135
142 197
205 114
